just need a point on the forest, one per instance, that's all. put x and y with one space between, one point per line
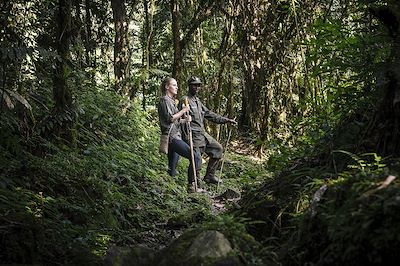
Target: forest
309 173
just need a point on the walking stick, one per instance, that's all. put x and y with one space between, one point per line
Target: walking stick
223 158
191 148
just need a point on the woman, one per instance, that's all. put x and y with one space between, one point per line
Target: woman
170 119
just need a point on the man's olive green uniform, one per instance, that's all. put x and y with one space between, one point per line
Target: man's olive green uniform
202 141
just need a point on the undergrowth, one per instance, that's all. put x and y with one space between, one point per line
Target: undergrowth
311 214
62 205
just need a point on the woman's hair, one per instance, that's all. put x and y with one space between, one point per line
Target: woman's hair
164 84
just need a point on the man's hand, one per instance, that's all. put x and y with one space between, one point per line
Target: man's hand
232 122
188 119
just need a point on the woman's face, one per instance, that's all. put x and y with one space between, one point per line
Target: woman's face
172 87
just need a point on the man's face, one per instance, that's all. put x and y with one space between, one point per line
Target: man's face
194 88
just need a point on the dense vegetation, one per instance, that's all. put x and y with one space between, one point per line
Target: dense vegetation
314 86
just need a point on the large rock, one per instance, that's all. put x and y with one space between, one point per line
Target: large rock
209 244
198 248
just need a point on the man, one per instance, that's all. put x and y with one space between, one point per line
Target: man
202 141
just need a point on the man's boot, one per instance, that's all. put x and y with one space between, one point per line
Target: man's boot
212 166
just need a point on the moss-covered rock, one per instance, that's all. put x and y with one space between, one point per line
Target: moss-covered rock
197 247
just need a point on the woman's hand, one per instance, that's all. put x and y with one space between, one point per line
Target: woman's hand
180 114
185 109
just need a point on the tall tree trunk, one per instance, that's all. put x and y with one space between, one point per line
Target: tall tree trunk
88 33
385 126
250 97
11 41
248 45
121 51
147 39
77 33
177 43
61 92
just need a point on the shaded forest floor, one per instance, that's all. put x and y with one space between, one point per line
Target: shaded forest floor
240 169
